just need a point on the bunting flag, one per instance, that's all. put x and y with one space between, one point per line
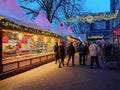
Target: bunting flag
69 29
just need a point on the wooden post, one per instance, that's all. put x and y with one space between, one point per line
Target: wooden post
1 66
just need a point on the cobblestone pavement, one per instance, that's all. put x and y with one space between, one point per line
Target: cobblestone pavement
50 77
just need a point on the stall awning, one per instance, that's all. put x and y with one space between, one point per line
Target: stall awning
12 12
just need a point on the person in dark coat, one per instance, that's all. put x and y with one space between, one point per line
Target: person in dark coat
86 51
61 51
56 52
81 54
71 53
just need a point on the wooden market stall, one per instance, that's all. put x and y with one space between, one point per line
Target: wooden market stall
24 45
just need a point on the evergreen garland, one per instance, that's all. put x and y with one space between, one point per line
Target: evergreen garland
7 24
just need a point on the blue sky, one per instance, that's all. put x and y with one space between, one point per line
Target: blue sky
95 6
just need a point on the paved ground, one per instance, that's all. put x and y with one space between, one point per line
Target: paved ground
50 77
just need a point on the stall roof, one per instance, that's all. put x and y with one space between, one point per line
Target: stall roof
11 11
42 20
62 30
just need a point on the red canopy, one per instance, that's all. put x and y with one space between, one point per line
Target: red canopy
117 31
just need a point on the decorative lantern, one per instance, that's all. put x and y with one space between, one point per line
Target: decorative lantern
61 24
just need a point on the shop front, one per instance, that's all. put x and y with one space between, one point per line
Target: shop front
24 49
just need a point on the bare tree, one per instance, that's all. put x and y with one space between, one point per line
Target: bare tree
60 10
50 6
72 8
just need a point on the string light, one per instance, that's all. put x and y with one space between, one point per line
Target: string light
94 18
6 24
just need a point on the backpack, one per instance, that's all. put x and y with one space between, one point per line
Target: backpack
81 49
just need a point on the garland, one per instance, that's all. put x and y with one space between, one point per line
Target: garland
7 24
94 18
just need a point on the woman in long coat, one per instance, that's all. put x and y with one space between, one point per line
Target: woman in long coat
94 50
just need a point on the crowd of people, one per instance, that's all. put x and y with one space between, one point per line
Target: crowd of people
93 50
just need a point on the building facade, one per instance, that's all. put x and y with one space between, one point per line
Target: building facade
115 25
99 29
115 5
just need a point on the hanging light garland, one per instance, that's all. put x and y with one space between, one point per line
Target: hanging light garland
94 18
7 24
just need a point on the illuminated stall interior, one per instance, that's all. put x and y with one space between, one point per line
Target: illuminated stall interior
24 44
30 44
23 48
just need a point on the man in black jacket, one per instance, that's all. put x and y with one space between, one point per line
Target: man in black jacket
61 51
56 52
71 53
81 54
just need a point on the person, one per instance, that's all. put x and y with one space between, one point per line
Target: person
81 54
86 51
102 52
61 51
71 53
56 52
108 49
94 50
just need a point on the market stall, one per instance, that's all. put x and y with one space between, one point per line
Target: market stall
24 44
68 36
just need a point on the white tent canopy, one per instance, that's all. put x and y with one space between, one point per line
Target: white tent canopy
42 20
62 30
11 11
66 32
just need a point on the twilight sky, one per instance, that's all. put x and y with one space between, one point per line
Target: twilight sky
97 5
